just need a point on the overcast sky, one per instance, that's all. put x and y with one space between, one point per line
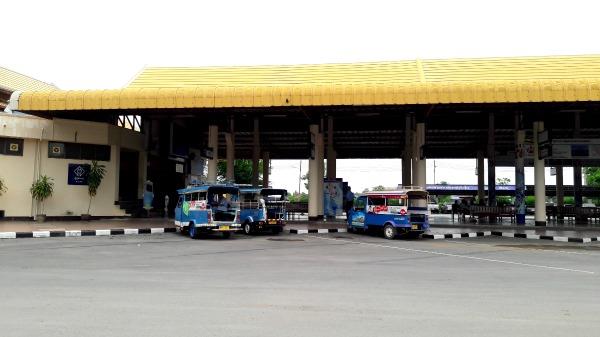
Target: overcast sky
104 44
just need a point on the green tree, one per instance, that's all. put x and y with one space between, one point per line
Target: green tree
242 171
592 178
503 200
97 173
444 200
302 197
378 188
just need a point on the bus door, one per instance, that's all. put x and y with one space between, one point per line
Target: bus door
359 211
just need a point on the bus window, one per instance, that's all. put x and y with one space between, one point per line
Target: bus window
180 201
359 204
396 202
188 197
376 202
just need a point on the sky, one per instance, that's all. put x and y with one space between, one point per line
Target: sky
104 44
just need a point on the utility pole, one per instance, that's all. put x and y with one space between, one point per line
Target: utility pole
434 166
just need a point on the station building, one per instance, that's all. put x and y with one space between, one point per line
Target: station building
508 111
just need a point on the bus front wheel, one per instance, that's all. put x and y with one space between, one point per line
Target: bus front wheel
389 232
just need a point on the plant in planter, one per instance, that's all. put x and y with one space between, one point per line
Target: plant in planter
41 190
97 172
2 191
2 186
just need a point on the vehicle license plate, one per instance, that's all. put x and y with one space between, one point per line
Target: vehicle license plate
415 226
223 228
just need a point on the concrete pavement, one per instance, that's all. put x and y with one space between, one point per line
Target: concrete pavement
289 285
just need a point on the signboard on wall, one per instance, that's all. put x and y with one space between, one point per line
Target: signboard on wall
78 174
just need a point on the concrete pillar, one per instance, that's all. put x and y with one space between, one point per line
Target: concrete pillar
266 167
213 142
230 143
520 207
420 164
407 155
320 157
540 179
577 177
491 155
560 189
480 176
331 154
315 176
255 152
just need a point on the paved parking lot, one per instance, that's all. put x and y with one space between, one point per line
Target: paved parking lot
297 285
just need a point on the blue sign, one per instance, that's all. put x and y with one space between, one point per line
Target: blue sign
78 174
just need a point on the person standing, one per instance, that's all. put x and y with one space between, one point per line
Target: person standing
348 201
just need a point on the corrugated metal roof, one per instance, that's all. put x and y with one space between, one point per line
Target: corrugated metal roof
13 81
491 80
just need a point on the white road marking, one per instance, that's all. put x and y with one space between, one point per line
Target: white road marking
130 231
157 230
457 255
525 248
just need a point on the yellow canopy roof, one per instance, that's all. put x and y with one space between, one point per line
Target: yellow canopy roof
490 80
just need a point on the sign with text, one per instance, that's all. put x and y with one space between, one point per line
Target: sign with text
78 174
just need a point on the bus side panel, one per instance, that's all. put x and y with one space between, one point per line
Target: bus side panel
198 217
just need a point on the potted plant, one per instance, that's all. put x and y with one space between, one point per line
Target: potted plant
2 191
95 176
41 190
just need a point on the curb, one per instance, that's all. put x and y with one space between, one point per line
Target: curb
85 232
318 231
455 235
545 237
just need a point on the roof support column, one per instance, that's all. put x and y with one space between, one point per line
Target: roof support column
540 179
213 143
255 152
266 168
230 143
577 176
315 175
491 154
419 161
407 155
520 208
480 176
331 154
560 190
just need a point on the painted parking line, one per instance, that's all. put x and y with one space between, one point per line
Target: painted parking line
456 255
542 248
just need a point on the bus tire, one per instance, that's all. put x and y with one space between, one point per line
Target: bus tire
226 235
389 232
193 231
247 228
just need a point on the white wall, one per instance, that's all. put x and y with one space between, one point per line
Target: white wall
19 172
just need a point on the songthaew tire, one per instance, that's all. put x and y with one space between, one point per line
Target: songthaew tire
193 231
247 228
389 232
